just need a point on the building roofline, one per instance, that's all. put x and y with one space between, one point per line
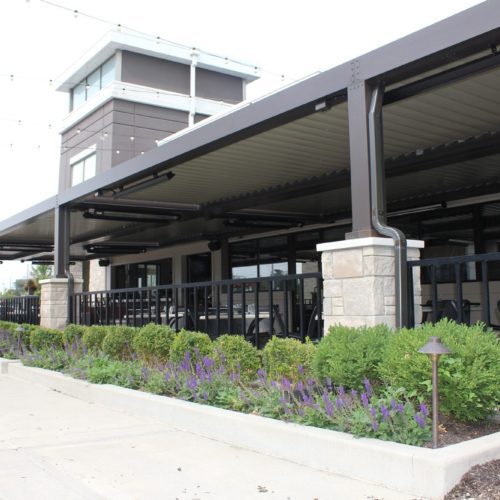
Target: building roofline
118 40
32 212
463 34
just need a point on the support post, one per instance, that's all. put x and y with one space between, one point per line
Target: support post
358 103
61 241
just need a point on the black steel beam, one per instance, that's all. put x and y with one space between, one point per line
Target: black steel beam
472 148
129 218
443 78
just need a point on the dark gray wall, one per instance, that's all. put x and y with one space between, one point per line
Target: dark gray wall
218 86
168 75
121 120
153 72
146 124
84 134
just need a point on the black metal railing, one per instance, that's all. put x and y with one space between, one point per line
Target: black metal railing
288 305
24 309
455 271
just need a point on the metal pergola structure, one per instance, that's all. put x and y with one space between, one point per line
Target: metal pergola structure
300 156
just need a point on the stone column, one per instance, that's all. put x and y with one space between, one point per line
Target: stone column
359 281
54 301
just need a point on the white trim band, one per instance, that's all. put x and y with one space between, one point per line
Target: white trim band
365 242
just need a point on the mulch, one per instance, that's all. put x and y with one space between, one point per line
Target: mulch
482 482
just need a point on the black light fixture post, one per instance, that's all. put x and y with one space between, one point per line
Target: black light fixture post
19 331
434 348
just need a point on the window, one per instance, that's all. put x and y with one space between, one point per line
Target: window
107 72
141 275
94 82
83 166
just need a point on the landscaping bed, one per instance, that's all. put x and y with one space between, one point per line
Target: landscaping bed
369 382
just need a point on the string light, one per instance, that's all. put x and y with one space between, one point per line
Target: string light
157 38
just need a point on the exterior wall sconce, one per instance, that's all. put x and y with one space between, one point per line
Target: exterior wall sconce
434 348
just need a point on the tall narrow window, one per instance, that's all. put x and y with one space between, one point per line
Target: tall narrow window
83 166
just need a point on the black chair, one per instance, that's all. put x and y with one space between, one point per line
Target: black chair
186 321
265 330
450 310
314 326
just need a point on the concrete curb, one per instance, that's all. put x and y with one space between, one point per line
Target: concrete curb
409 469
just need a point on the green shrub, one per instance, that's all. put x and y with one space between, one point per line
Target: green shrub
11 328
348 355
45 338
103 370
73 334
49 358
468 377
26 333
288 358
117 343
197 344
93 338
152 342
237 355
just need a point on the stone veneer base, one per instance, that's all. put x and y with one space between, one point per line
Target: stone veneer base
416 471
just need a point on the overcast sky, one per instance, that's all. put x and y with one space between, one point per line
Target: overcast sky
283 37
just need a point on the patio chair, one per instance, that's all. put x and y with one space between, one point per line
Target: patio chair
265 329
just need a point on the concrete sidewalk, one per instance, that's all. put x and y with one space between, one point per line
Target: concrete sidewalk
55 447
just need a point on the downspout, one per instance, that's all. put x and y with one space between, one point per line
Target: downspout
378 204
192 88
71 288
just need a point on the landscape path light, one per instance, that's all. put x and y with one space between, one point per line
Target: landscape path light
19 331
434 348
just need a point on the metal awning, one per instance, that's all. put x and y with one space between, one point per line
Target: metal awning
283 160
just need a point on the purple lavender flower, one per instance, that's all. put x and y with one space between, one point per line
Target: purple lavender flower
274 384
339 403
420 420
385 413
354 393
262 375
364 399
310 382
368 387
373 411
341 391
375 425
393 404
424 410
400 408
286 384
299 386
328 404
307 399
300 369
